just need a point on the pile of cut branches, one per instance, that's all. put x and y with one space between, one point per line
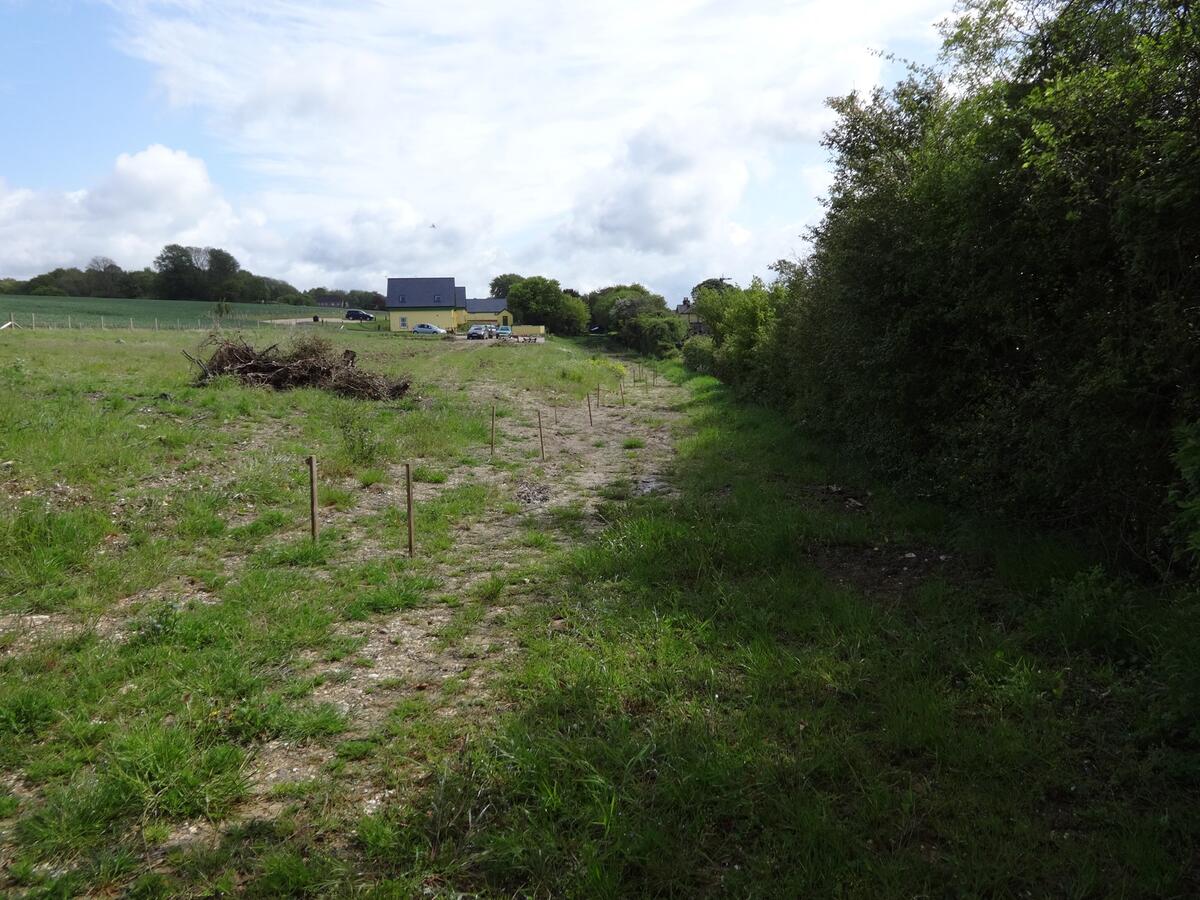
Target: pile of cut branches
308 362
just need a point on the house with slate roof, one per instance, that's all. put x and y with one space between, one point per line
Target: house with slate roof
439 301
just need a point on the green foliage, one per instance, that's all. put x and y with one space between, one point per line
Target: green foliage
540 301
1187 495
653 334
698 355
502 284
999 306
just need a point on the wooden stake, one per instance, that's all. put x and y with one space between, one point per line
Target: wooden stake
622 383
102 323
68 321
541 438
314 525
156 323
408 491
493 429
555 408
589 400
33 323
131 323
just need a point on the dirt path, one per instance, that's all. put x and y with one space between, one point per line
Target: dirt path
625 450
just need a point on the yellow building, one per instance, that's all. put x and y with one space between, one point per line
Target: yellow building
440 302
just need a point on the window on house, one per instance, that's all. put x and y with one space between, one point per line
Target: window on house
437 298
404 321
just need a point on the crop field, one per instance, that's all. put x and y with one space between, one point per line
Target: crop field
686 653
88 312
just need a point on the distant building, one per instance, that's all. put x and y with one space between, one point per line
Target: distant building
687 310
330 302
439 301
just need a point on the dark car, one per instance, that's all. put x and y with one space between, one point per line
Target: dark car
359 315
477 333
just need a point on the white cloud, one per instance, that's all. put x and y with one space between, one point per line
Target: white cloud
593 142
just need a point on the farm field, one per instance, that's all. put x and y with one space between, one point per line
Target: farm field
86 312
689 653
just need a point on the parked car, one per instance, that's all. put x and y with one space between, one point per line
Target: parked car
477 333
426 328
504 331
491 330
359 315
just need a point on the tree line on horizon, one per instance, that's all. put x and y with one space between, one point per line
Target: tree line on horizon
207 274
632 313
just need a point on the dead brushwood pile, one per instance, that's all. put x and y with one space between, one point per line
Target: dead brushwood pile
308 362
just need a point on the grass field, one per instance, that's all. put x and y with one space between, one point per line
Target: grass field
691 653
87 312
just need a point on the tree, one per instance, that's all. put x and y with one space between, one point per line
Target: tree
221 271
502 284
540 301
711 284
104 278
179 278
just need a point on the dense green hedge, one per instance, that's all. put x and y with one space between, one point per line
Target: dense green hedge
1001 303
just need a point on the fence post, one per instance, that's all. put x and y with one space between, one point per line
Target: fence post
597 396
314 525
541 437
68 321
622 383
33 321
589 400
156 323
493 429
131 323
408 491
102 323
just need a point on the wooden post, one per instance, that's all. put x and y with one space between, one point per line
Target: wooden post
102 323
178 325
622 383
555 408
33 321
156 323
314 525
131 323
589 400
597 396
493 429
541 437
68 321
408 490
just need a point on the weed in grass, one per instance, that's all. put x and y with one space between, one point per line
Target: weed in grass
298 552
536 540
633 444
489 590
336 496
402 592
370 477
428 475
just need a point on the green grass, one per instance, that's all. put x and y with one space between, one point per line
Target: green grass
719 694
53 312
723 718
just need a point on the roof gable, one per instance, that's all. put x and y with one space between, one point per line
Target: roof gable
422 293
486 305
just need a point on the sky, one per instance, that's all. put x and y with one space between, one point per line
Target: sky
339 143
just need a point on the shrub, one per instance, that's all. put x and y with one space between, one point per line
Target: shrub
653 334
698 355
